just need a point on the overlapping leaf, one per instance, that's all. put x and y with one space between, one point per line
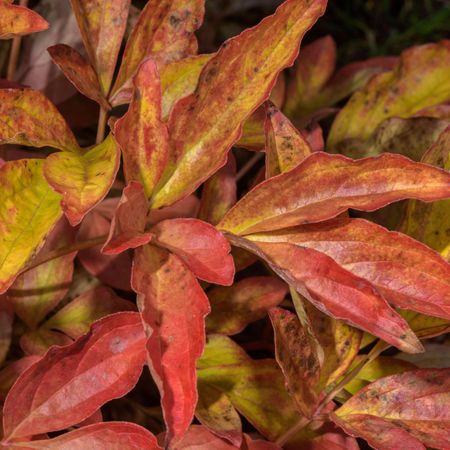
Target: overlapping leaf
28 211
324 185
401 411
173 307
70 383
242 81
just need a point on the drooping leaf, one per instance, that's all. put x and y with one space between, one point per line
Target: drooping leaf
248 300
27 117
173 307
299 356
179 79
401 411
426 326
164 32
102 25
335 291
430 223
203 249
128 223
285 145
28 211
255 388
199 148
324 185
17 20
384 96
141 134
407 273
83 179
79 72
219 193
70 383
36 292
99 436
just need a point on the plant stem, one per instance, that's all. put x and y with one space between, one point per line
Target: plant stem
102 116
14 53
248 165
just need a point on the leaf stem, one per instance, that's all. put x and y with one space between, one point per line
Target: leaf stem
102 116
15 49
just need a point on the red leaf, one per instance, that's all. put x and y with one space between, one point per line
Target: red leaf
11 372
324 185
128 223
173 307
99 436
70 383
202 248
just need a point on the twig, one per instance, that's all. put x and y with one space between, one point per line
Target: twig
14 53
102 116
249 165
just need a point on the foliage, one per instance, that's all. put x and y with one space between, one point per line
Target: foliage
325 255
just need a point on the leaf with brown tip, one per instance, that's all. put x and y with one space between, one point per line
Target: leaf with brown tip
324 185
141 134
79 72
241 81
173 307
18 21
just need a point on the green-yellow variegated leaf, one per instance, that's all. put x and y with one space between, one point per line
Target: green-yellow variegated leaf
83 179
29 209
237 79
399 92
28 117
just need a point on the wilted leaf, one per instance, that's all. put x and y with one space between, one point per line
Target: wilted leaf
102 25
203 248
431 223
27 117
173 307
99 436
128 223
200 147
28 211
70 383
141 134
79 72
400 411
17 20
299 355
335 291
248 300
83 179
164 32
324 185
285 145
219 193
255 388
399 92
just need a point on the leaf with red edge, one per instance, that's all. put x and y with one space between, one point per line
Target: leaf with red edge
335 291
173 307
99 436
37 291
17 20
407 273
203 248
27 117
83 179
79 72
299 355
102 25
70 383
248 300
241 80
128 223
401 411
325 185
164 32
219 193
285 145
113 270
141 133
